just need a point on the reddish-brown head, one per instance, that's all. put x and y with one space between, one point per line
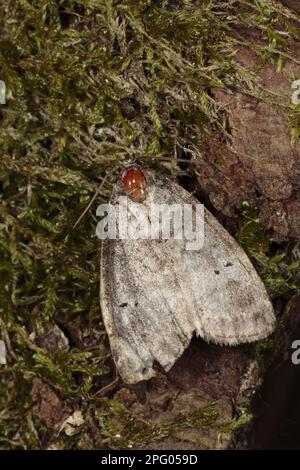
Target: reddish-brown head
134 184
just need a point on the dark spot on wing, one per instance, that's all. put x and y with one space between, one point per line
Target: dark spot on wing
228 264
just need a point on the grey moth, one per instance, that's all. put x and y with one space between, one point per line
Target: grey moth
155 294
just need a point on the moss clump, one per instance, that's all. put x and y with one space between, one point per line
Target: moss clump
278 270
122 428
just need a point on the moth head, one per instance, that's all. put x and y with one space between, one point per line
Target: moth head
134 183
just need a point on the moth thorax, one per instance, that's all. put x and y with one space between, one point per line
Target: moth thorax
134 184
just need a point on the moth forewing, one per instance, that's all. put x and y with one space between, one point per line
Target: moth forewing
155 294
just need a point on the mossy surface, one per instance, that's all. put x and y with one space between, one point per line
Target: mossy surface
91 84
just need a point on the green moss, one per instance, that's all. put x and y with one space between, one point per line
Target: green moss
122 428
278 270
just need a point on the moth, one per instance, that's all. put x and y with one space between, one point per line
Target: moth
155 294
